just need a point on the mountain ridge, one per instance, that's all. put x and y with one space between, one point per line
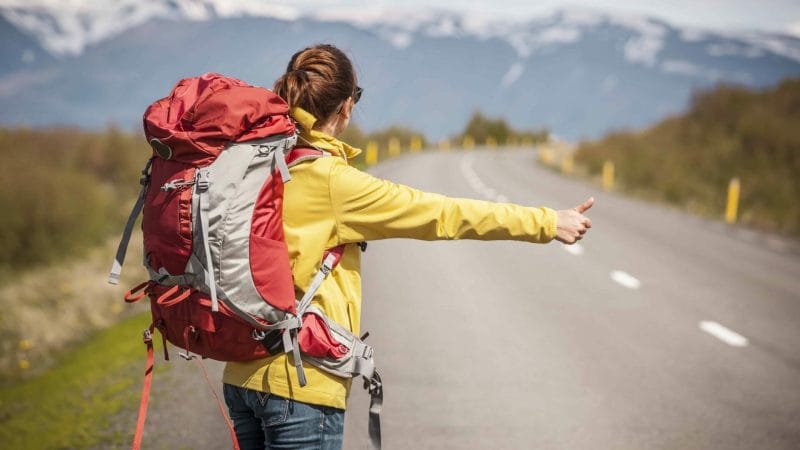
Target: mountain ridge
579 73
64 30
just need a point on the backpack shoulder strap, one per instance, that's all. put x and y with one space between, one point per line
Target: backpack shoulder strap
301 154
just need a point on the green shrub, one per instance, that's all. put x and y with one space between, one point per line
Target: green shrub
729 131
62 191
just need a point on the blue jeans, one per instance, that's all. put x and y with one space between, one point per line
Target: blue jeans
266 421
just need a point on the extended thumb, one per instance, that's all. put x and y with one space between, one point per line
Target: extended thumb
583 207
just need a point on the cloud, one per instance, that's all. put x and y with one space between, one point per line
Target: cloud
794 29
513 74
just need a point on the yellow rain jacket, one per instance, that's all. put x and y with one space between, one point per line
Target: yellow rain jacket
328 203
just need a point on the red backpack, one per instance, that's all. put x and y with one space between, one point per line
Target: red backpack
220 282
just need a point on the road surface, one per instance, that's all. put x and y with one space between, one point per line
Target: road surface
660 331
617 344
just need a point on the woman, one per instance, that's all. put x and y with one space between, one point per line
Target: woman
327 204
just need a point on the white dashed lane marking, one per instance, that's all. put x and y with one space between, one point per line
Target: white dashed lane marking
724 334
477 184
720 332
625 279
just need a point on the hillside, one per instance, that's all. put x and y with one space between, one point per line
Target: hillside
729 131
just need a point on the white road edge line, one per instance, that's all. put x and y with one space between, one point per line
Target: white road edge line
724 334
574 249
625 279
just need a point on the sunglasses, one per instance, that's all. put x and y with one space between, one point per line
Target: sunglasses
357 94
356 98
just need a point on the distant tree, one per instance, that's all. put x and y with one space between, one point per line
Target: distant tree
481 128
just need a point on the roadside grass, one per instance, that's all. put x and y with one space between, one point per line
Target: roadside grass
47 310
73 404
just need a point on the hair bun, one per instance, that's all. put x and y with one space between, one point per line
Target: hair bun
318 79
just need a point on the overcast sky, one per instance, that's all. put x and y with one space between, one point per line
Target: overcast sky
773 15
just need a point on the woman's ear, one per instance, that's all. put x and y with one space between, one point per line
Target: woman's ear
347 108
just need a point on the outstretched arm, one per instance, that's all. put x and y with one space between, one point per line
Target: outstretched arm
368 208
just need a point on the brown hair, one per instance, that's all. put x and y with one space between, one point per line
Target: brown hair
318 79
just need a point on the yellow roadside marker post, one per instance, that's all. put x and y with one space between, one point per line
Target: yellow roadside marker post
416 144
732 207
469 143
546 155
23 361
511 141
394 147
608 175
567 165
371 158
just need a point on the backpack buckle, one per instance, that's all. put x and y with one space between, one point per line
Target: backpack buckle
147 336
367 352
374 385
266 149
203 180
258 335
325 269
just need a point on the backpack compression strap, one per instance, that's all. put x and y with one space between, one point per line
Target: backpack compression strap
201 186
329 261
122 249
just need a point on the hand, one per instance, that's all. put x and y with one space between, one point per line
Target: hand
572 224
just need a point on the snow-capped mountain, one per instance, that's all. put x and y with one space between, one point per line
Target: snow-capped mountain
577 72
67 27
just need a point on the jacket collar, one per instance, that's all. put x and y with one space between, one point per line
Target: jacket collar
317 139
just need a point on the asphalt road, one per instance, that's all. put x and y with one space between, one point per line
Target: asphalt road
503 345
661 331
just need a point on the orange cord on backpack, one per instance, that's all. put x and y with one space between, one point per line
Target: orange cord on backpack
219 404
148 379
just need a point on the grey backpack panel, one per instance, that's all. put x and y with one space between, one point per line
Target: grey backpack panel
236 178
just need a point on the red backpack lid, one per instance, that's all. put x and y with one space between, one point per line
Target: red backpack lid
204 114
